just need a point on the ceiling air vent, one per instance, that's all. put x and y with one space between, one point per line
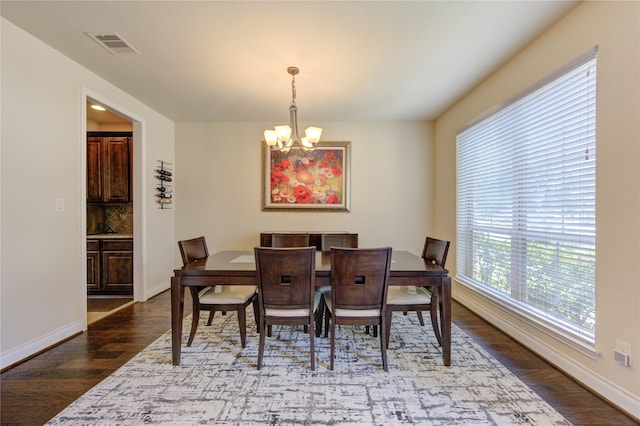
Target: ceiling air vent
113 42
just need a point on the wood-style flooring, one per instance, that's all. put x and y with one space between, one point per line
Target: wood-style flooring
36 390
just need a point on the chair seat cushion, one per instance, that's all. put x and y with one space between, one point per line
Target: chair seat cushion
408 295
323 289
349 312
227 294
294 312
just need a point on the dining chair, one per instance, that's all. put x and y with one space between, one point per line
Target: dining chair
417 298
326 242
286 296
220 298
193 249
290 239
359 283
338 240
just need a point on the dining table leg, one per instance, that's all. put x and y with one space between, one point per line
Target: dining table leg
445 324
177 311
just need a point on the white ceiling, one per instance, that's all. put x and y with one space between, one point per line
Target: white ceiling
227 60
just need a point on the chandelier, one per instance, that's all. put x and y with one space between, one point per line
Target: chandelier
283 137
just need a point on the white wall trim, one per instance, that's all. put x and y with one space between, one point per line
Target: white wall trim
140 225
83 208
34 346
613 393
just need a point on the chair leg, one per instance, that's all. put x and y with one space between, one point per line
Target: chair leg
312 350
387 325
318 316
256 311
434 315
434 323
242 323
327 317
261 344
420 319
367 330
333 343
318 320
441 316
195 318
211 314
383 344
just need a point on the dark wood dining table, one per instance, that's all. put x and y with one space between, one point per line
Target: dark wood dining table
232 267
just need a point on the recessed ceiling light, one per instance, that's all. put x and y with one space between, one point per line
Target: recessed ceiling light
98 107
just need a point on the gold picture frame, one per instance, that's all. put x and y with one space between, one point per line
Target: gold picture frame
307 181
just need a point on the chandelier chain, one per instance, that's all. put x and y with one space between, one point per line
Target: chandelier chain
293 90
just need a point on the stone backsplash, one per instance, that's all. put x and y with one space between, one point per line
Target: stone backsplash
117 218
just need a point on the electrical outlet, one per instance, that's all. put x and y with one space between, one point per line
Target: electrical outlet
622 354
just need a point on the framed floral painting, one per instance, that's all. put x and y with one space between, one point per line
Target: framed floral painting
298 180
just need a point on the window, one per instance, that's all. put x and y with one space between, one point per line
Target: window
526 202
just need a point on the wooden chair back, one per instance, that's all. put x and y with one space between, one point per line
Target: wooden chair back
286 277
436 251
193 249
360 278
338 240
293 239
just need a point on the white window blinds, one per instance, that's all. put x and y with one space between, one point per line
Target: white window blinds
526 201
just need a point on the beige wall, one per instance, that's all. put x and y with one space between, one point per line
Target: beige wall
43 255
218 185
615 27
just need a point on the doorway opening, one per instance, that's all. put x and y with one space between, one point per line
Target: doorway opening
109 210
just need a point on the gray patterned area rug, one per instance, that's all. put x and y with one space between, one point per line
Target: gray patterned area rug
218 383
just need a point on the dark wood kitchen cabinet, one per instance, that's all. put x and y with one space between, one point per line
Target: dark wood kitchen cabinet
110 269
108 169
93 264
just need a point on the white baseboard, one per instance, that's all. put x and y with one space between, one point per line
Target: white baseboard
621 398
54 337
34 346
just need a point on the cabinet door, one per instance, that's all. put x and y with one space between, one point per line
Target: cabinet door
117 169
93 267
95 166
117 271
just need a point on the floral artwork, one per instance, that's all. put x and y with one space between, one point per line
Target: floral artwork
308 180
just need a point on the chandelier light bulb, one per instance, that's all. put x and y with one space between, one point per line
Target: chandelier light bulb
271 138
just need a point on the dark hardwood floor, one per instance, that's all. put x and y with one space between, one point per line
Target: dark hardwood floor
36 390
106 303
